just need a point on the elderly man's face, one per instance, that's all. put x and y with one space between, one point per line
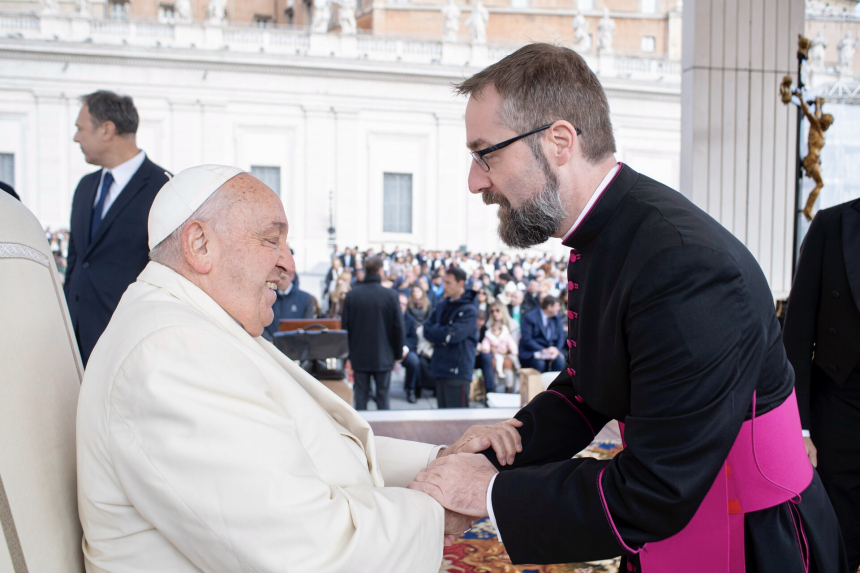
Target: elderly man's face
253 254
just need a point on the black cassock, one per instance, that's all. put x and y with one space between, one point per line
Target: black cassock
671 328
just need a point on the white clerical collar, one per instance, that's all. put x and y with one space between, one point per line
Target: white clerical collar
593 199
286 292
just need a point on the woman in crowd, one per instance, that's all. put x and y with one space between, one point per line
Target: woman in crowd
335 309
499 342
499 315
484 298
419 304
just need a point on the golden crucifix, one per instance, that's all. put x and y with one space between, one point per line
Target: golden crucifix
818 124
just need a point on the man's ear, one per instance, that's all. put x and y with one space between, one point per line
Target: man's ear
562 142
108 130
197 246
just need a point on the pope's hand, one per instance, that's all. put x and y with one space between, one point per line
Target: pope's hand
458 482
503 437
456 524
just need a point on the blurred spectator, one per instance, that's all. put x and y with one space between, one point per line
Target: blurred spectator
108 246
437 286
453 330
419 304
374 326
499 344
531 299
411 362
290 303
542 340
348 259
484 299
499 315
343 286
515 308
330 279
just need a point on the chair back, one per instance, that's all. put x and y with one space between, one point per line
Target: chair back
40 378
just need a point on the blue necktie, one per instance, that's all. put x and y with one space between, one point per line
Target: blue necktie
100 204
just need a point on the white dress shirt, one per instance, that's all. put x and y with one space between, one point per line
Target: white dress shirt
585 211
122 174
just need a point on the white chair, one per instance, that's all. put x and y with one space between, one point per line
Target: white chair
40 377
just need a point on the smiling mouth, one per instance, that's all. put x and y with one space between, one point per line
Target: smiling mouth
271 285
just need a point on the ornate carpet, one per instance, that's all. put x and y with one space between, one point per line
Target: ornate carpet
479 551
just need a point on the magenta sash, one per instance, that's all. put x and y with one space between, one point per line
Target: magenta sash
766 466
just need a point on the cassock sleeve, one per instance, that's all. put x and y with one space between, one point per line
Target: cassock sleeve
222 471
694 363
801 318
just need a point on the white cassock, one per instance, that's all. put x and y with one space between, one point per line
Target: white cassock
200 447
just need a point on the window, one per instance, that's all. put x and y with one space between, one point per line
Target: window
585 4
648 43
118 10
271 176
7 168
648 6
397 203
166 13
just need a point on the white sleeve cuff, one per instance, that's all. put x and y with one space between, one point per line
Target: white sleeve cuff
538 355
805 433
433 453
490 507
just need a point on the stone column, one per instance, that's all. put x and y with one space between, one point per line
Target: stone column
738 140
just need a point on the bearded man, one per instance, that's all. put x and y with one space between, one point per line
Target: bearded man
671 331
201 447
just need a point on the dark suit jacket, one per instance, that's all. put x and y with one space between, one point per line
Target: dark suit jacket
296 304
671 329
410 328
374 326
822 322
533 336
100 270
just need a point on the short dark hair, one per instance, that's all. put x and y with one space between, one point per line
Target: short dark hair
543 83
458 273
105 106
504 277
548 301
372 265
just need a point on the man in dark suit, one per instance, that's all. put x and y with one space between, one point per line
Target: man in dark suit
374 326
348 259
822 340
290 303
543 338
671 330
108 239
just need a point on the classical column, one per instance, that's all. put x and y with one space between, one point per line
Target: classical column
737 141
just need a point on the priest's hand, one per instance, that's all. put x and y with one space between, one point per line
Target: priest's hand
503 437
458 482
456 524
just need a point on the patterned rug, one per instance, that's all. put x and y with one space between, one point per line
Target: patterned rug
479 551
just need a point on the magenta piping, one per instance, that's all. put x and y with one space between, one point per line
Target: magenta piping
609 517
572 405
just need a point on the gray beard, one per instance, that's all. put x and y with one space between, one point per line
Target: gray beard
536 221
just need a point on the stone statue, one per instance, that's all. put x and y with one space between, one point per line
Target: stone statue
477 22
346 16
322 16
50 7
605 31
816 52
818 123
846 47
581 40
452 21
216 11
82 7
183 10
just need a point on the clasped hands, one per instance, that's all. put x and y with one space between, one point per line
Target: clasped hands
459 477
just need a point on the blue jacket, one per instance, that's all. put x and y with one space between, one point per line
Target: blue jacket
533 336
453 330
410 336
295 304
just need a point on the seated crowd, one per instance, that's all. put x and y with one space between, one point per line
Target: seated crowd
519 301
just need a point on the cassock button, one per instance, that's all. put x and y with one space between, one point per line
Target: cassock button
572 285
571 371
835 294
571 343
571 315
832 332
833 368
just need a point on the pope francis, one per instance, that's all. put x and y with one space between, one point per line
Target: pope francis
202 448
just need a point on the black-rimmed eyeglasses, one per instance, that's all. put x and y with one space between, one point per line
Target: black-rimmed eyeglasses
478 156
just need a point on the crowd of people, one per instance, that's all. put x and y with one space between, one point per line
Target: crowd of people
518 302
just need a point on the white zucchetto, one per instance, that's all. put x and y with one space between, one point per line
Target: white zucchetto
183 195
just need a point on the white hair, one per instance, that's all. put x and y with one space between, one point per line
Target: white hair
213 210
